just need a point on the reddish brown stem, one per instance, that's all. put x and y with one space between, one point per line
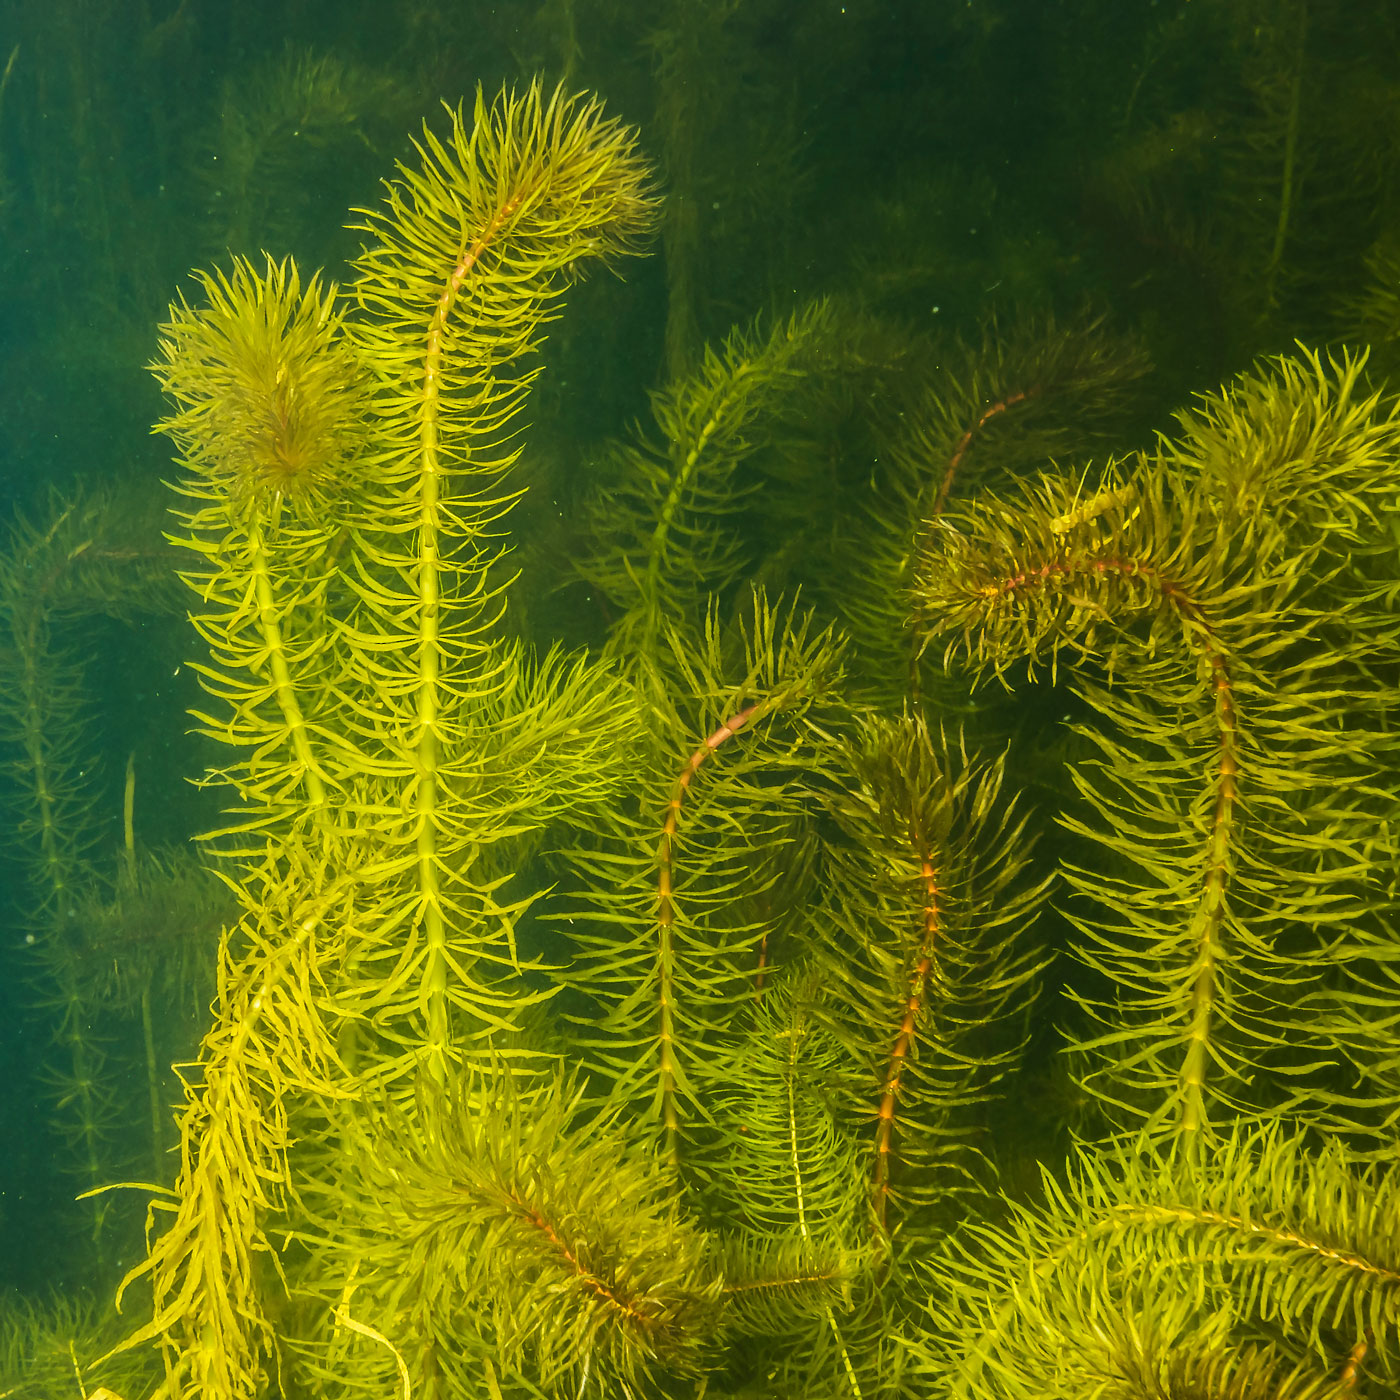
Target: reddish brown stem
945 487
666 917
904 1040
1210 911
590 1280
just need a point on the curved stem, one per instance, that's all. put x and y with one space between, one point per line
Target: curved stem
1208 917
666 917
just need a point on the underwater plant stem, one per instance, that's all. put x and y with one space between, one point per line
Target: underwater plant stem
129 819
42 721
797 1183
55 867
904 1040
429 657
1209 915
1211 910
428 580
945 486
270 625
55 863
801 1201
429 667
849 1369
1287 190
680 485
84 1094
613 1299
666 918
940 503
152 1081
799 1187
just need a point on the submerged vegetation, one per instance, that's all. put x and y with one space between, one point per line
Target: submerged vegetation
887 890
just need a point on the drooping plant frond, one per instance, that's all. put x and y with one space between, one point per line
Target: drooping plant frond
1142 1268
663 540
508 1222
999 406
671 928
271 1041
558 737
1192 598
926 970
1017 397
471 254
476 246
802 1319
1132 1341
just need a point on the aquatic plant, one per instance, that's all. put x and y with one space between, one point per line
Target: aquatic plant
634 1023
86 556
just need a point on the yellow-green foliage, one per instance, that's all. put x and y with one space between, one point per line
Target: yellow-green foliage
268 387
346 480
47 1351
506 1228
661 551
1205 601
929 891
674 920
981 412
785 950
1143 1274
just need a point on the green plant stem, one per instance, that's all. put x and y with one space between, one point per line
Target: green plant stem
152 1083
1287 186
666 917
270 624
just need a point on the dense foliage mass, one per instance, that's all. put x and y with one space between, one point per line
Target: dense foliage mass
887 889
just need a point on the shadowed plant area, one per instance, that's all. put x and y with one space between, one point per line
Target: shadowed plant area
872 877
